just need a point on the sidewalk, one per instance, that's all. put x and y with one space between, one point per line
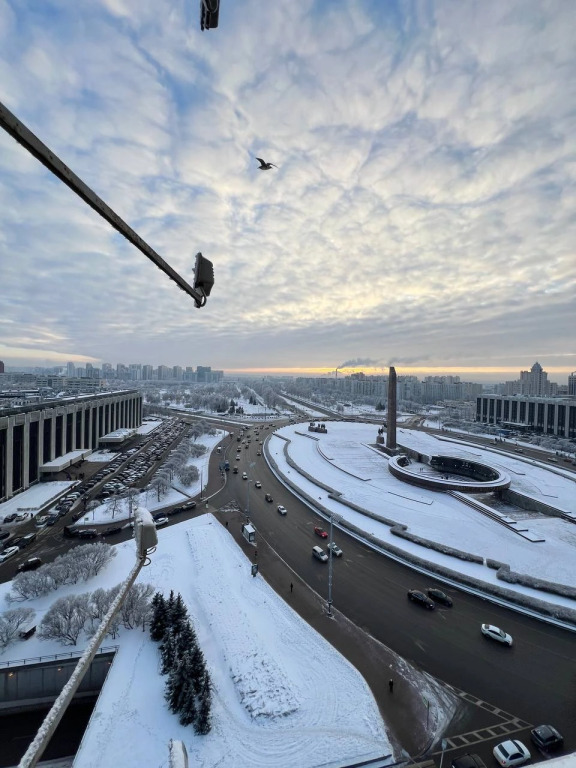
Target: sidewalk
403 709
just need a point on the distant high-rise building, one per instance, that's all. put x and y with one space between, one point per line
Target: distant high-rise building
107 371
572 385
121 372
135 371
1 366
203 373
177 372
164 372
534 382
147 372
70 370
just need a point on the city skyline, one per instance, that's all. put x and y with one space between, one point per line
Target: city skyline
420 215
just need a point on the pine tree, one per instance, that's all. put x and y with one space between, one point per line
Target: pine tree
168 653
177 684
203 722
159 617
178 614
197 669
186 640
188 712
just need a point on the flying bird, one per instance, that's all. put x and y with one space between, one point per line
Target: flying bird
265 166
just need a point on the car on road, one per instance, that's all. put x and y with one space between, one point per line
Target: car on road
8 553
439 597
160 521
319 554
268 497
547 738
336 551
29 565
320 532
52 518
258 453
88 533
244 476
4 535
111 530
281 509
40 521
495 633
257 484
235 470
511 753
10 518
468 761
419 597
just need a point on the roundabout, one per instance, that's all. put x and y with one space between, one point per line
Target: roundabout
448 473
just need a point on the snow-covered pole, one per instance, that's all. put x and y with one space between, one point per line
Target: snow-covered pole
146 540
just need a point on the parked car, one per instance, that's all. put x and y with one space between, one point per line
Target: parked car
8 553
40 521
268 497
547 738
419 597
4 535
10 518
468 761
511 753
495 633
70 532
336 551
160 521
439 597
111 530
30 565
281 509
320 532
21 517
87 533
52 518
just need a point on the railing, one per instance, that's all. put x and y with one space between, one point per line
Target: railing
54 657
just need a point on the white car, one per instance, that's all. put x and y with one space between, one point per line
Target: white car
159 521
281 509
495 633
335 549
510 753
244 476
9 552
257 484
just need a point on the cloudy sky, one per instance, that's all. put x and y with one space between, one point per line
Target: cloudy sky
422 212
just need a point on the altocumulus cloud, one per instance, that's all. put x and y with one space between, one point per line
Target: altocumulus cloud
422 209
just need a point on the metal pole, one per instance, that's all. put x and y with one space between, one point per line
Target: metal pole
52 719
330 571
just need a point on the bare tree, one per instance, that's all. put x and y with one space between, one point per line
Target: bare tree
65 619
11 621
136 609
189 475
26 586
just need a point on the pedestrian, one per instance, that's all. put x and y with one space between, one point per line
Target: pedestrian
291 587
391 685
226 523
255 553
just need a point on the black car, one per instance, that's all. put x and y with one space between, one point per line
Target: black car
10 518
546 737
30 565
468 761
268 497
112 530
88 533
4 535
18 542
70 532
439 597
421 599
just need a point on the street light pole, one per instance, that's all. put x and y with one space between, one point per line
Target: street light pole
330 555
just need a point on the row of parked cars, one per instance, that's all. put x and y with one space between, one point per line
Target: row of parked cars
513 752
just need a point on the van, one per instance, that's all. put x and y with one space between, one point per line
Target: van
319 553
24 634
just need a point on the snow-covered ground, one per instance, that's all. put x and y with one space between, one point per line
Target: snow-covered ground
343 459
282 695
33 499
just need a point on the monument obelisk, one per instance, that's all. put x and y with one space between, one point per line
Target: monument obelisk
391 415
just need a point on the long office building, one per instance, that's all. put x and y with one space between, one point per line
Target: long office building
34 437
542 415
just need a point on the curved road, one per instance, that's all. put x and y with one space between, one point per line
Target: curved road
534 680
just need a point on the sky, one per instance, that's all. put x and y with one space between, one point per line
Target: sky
421 214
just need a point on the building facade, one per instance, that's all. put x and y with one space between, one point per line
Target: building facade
542 415
32 435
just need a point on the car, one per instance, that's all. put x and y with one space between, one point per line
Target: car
29 565
268 497
257 484
8 553
439 597
244 476
237 458
468 761
495 633
28 538
547 738
335 549
419 597
235 470
159 521
88 533
111 530
4 535
70 532
189 505
281 509
320 532
319 554
40 521
511 753
21 517
10 518
52 518
258 453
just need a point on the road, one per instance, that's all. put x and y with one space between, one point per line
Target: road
535 680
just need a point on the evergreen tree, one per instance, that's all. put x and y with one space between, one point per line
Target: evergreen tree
203 722
168 653
170 607
197 669
178 614
159 617
186 640
188 711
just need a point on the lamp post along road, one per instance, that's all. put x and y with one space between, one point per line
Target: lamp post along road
330 555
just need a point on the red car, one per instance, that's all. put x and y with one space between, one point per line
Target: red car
320 532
